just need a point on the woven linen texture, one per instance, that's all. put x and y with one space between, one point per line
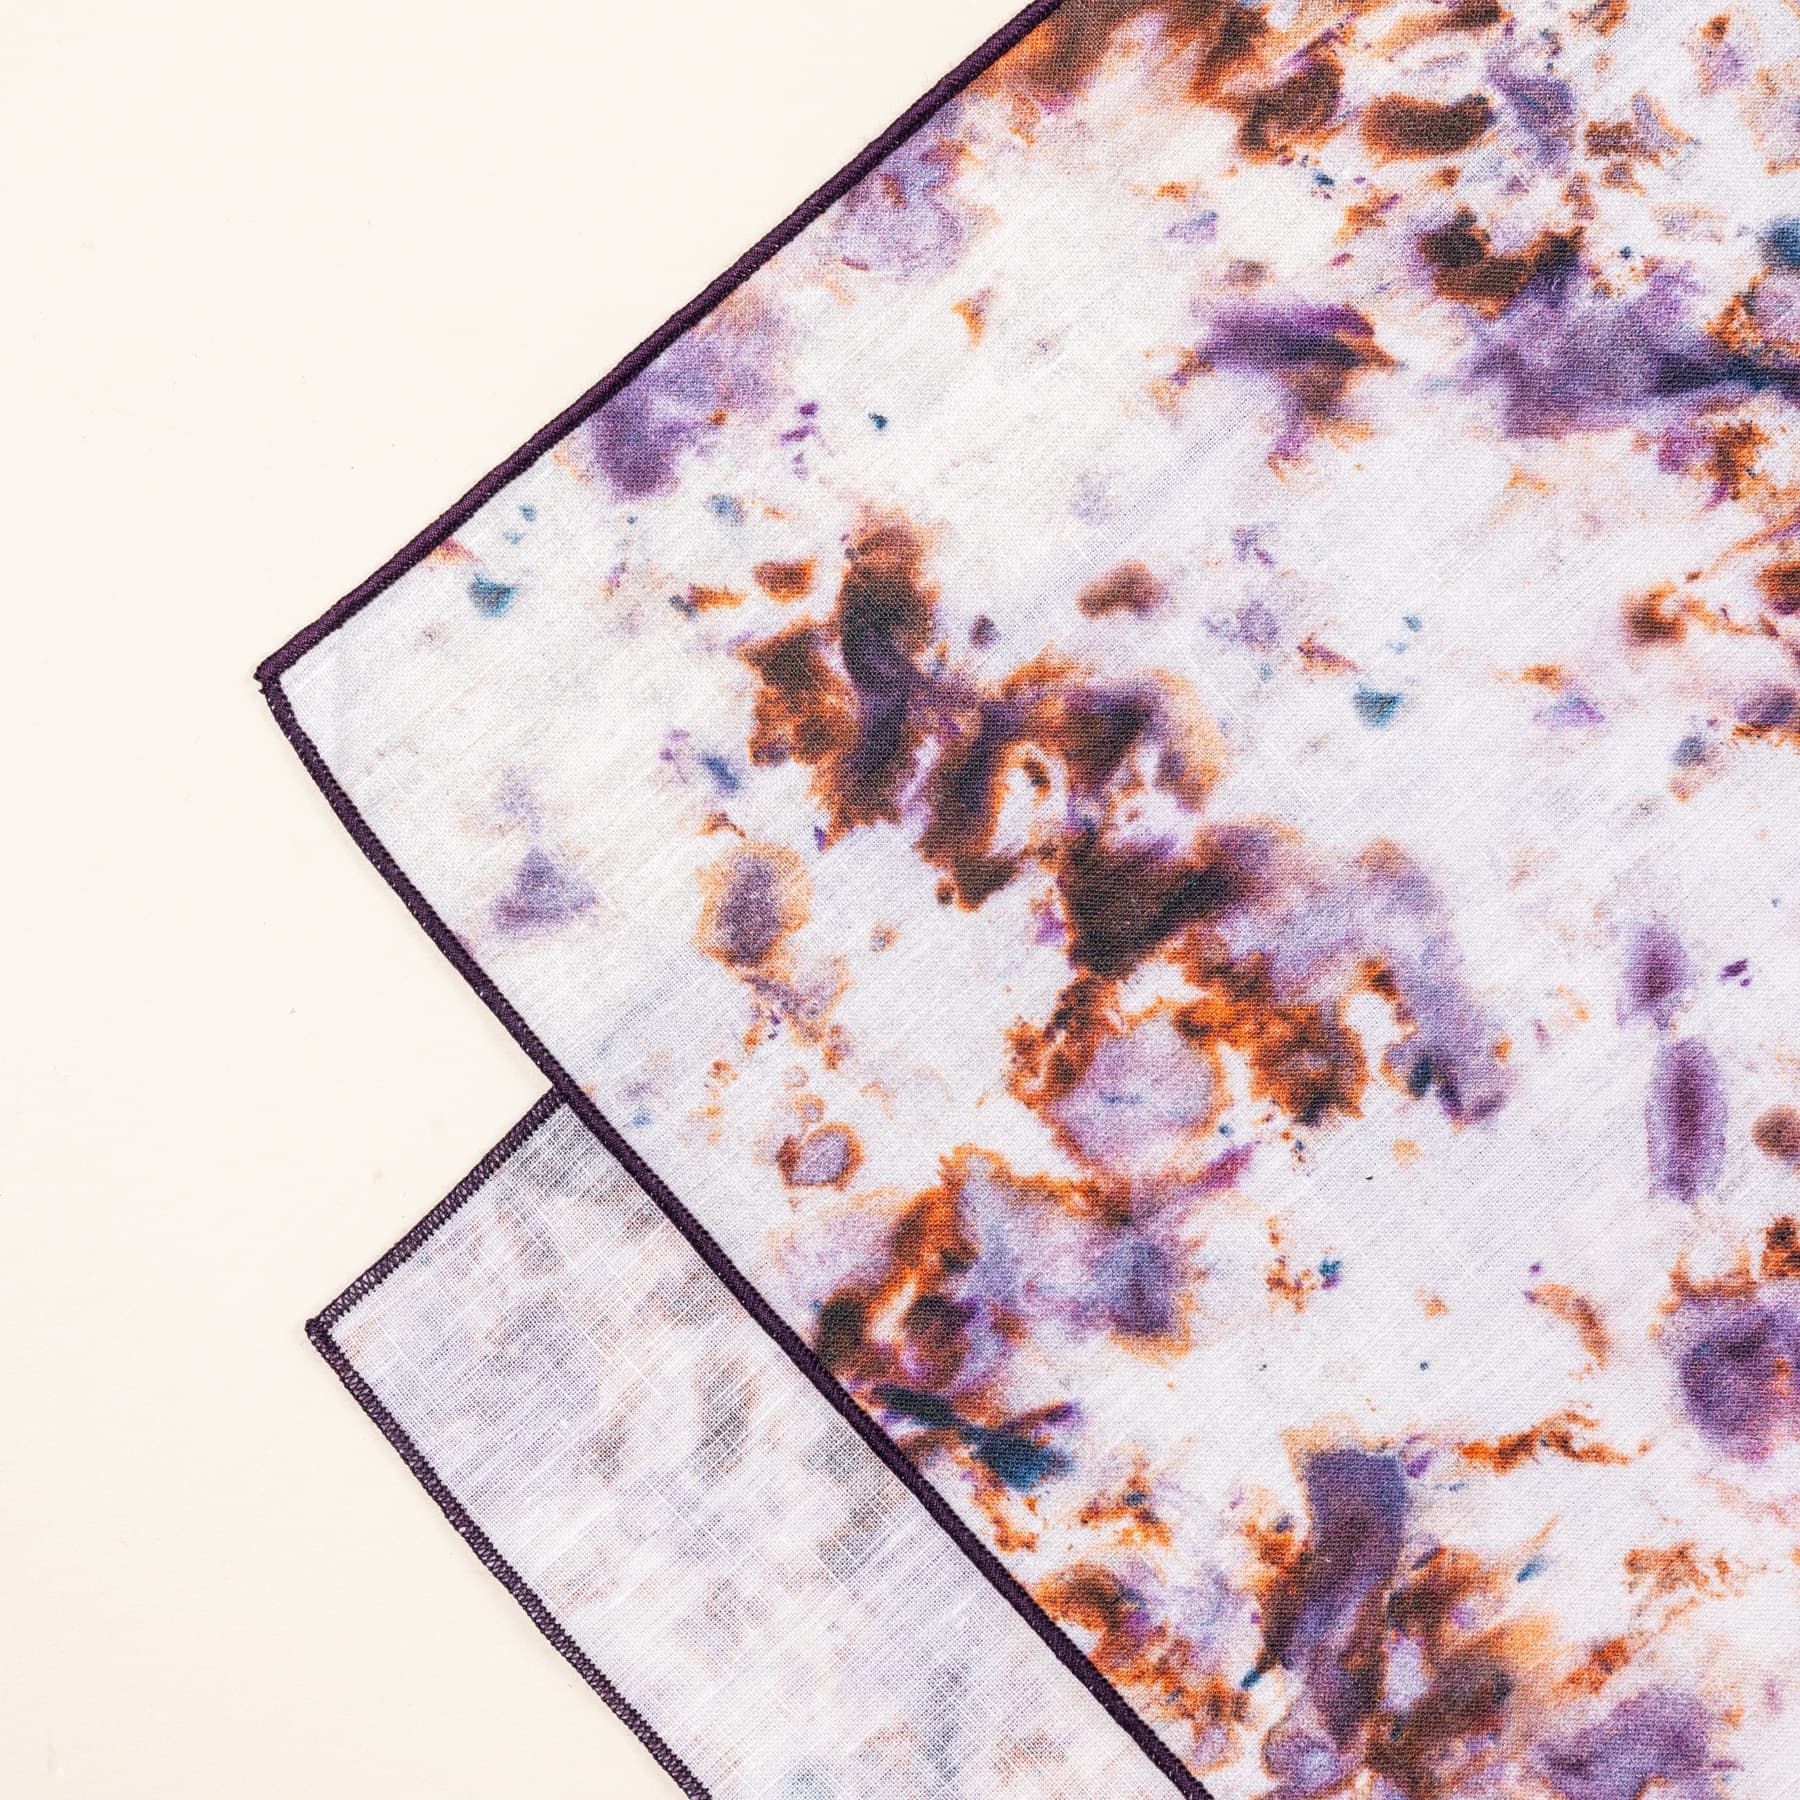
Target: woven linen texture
1157 772
670 1489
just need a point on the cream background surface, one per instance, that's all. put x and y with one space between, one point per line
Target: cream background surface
281 282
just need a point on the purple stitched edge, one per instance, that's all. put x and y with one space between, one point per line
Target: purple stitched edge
797 1350
970 69
567 1089
319 1330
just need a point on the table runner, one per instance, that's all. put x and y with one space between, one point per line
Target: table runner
1146 774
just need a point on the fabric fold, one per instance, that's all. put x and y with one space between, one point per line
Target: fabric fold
672 1503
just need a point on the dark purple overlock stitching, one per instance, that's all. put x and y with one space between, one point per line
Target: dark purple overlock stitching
320 1331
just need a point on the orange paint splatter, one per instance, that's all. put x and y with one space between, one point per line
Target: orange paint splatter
1603 1661
1556 1435
1577 1310
1321 659
1131 1513
1294 1290
785 581
1671 1571
973 312
712 599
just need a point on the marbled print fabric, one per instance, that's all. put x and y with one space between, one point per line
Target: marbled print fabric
1159 773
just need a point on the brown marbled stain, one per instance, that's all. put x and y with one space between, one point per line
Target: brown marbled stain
1776 1133
1443 20
1465 268
1401 127
1781 1251
804 707
1779 585
1338 1605
857 703
1426 1751
1282 95
1130 588
1060 58
1125 901
889 731
1302 1055
928 1251
1298 108
1655 618
1141 1653
849 715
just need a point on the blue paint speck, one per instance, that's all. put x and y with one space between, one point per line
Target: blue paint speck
1784 243
725 777
725 507
879 421
491 597
1413 622
1018 1462
528 512
1534 1568
1331 1270
1375 709
1689 751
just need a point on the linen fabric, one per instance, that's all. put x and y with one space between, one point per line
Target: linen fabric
1155 770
